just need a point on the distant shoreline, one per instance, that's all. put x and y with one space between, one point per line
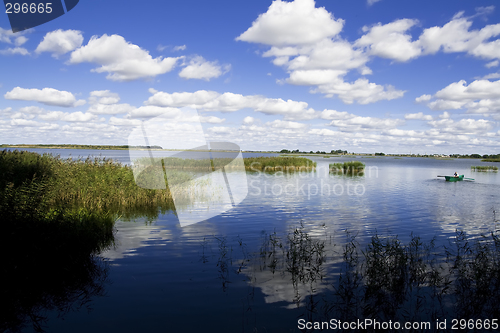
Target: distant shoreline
490 158
108 147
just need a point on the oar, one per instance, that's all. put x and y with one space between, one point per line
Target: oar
468 178
440 176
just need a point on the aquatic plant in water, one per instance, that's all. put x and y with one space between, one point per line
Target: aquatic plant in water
272 163
484 168
348 168
386 279
279 163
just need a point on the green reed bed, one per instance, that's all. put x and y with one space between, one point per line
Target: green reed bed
484 168
274 163
491 160
57 215
279 163
95 185
350 167
101 184
180 163
252 163
49 229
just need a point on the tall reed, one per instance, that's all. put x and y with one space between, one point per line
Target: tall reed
41 236
272 163
350 167
484 168
279 163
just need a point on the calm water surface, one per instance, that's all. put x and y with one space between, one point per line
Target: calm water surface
119 155
200 278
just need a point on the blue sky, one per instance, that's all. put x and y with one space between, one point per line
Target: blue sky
362 76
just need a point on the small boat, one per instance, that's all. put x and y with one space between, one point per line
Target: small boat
453 178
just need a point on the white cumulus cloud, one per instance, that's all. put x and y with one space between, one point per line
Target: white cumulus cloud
123 61
456 36
361 91
18 38
199 68
391 40
103 97
60 41
106 102
47 96
14 50
248 120
480 96
358 123
212 119
418 116
65 116
305 41
180 99
291 23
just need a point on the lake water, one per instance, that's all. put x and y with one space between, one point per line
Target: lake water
209 276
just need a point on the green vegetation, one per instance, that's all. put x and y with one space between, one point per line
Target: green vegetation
47 187
63 187
43 237
180 163
484 168
70 146
58 215
273 163
486 156
297 151
491 160
279 163
351 167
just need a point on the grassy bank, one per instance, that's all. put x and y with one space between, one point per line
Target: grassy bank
491 160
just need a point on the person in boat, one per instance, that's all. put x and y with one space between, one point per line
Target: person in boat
455 175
